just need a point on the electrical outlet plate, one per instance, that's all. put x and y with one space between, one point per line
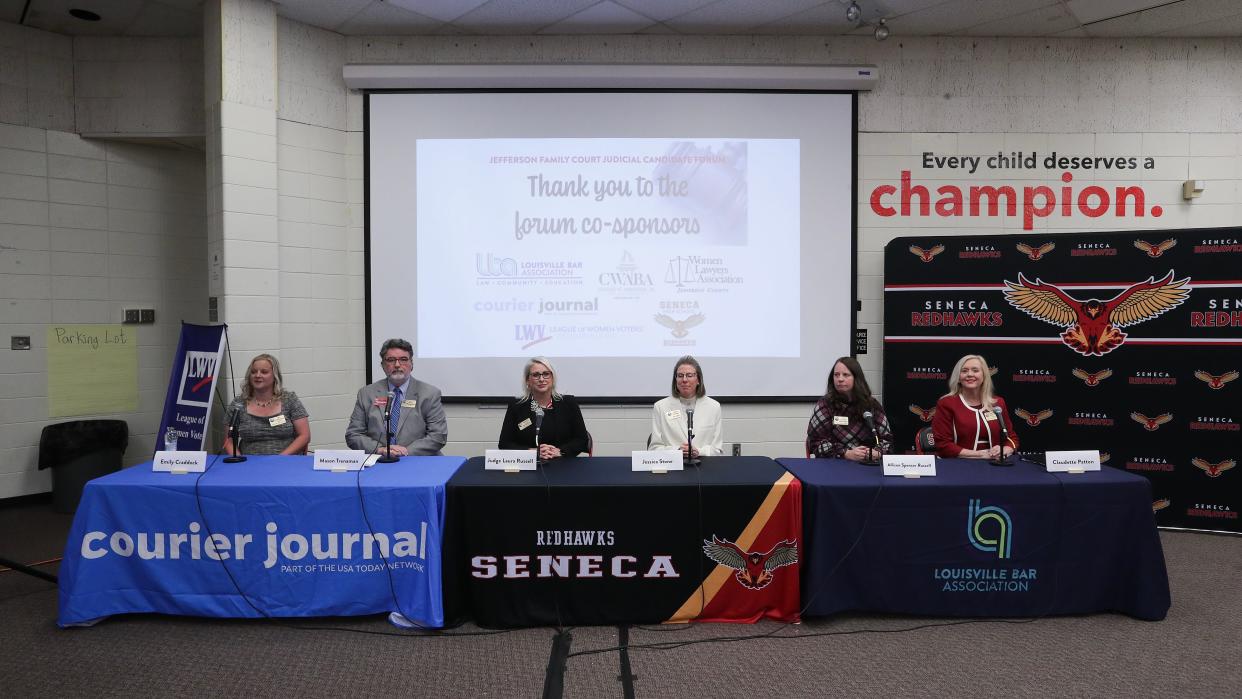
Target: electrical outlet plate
131 315
147 315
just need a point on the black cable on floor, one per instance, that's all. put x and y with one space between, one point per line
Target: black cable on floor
627 676
554 678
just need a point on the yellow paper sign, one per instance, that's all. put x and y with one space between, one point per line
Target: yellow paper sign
91 369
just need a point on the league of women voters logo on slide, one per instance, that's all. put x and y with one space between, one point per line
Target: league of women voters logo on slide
1092 327
752 569
994 519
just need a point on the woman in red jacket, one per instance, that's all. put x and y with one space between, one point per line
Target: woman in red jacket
968 418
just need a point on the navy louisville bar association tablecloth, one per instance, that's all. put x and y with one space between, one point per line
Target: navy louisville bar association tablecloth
979 540
266 537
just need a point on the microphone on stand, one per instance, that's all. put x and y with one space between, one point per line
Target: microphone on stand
235 438
388 458
1004 437
869 419
538 411
691 459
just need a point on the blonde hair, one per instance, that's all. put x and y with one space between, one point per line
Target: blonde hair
987 395
278 383
526 395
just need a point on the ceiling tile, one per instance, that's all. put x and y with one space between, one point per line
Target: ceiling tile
160 19
824 19
518 16
1043 21
661 10
1161 20
604 18
321 13
384 19
738 16
443 10
1087 11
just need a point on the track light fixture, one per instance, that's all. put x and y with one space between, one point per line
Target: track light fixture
881 31
854 15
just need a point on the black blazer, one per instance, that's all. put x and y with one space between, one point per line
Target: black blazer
562 427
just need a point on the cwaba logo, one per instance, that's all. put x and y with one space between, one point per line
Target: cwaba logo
753 570
977 516
197 375
1091 325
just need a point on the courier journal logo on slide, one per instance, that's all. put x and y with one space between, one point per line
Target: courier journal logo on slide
993 520
196 378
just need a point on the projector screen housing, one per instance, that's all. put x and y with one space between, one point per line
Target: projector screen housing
612 231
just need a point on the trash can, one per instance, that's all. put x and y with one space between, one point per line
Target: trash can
79 451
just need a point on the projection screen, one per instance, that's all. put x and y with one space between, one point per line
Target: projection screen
612 232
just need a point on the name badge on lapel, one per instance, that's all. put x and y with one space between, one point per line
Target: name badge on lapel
408 403
673 415
276 420
840 420
524 424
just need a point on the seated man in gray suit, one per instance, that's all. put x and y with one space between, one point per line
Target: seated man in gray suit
418 424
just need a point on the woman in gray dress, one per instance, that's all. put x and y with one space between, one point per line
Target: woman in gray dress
270 420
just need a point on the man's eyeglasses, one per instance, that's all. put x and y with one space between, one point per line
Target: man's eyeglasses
539 375
396 360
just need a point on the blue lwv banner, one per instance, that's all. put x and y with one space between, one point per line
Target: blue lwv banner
193 382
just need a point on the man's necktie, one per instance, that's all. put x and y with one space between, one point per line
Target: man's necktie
394 413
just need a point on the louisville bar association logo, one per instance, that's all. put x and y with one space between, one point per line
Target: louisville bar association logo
995 519
753 570
1091 326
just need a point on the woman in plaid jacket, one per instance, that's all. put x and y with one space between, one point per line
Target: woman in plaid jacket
848 423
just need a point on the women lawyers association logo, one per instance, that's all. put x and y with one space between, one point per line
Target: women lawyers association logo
1092 327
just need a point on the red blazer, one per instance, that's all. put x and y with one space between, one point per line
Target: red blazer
957 426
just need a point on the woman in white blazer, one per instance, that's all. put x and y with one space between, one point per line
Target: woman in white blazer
688 405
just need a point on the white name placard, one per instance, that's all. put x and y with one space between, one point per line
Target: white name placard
663 460
909 465
509 460
179 461
339 459
1072 461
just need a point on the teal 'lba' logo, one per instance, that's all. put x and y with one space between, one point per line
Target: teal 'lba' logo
993 520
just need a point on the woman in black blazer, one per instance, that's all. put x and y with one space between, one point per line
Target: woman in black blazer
562 431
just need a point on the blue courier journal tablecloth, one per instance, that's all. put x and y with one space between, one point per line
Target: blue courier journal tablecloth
292 540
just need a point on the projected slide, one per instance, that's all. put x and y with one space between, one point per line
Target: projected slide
612 232
606 247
